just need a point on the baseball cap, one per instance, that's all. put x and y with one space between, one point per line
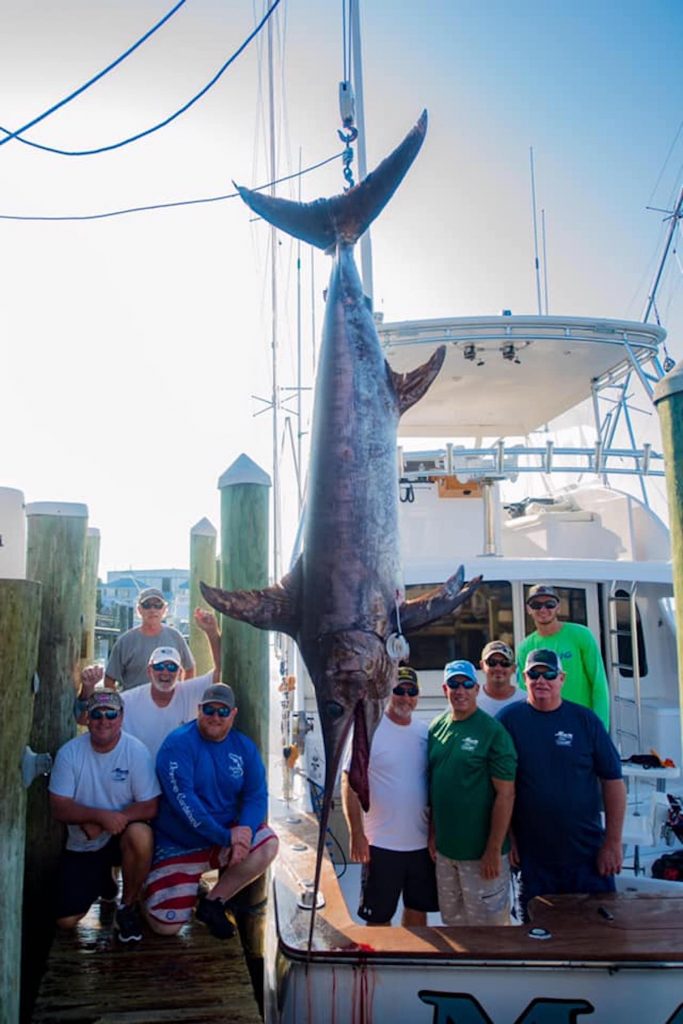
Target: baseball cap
104 699
165 654
498 647
219 693
408 675
148 592
542 590
460 668
542 656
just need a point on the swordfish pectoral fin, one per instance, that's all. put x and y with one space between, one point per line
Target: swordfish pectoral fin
410 387
438 602
275 607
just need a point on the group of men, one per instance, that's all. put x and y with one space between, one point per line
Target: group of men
161 785
508 776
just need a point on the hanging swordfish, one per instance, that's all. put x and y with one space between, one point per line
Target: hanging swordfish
343 601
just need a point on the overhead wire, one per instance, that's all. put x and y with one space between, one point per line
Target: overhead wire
91 81
166 206
161 124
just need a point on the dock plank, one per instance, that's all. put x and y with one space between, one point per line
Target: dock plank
92 978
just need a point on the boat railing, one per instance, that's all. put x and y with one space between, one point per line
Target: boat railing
503 461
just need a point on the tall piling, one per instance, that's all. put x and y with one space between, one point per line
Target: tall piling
55 556
244 565
668 398
90 566
202 568
19 626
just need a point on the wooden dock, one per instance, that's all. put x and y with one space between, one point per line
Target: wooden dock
92 978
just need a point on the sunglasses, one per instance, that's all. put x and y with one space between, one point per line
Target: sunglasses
165 666
454 683
152 604
545 673
223 711
98 713
498 663
537 605
405 691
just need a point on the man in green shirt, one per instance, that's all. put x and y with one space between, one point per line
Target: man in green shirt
471 781
575 646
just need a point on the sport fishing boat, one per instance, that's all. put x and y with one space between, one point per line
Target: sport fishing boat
494 478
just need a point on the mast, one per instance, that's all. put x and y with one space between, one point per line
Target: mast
275 396
357 73
675 217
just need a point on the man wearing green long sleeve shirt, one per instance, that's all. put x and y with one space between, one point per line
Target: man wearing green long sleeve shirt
586 680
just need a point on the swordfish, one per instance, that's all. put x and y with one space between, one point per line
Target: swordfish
343 602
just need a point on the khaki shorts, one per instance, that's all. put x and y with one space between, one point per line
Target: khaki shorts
467 898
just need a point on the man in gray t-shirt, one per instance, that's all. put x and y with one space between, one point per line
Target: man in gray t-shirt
129 657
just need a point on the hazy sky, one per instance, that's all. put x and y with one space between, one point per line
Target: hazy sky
132 346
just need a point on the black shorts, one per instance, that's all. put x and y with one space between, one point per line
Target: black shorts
84 876
392 873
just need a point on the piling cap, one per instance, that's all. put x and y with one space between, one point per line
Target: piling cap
670 385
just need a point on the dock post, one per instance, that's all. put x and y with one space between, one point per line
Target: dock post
202 567
668 398
56 539
244 564
90 567
19 626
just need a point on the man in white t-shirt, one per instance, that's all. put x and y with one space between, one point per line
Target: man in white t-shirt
391 839
104 788
499 689
167 700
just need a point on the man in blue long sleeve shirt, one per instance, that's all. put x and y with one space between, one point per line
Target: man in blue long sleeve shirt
212 814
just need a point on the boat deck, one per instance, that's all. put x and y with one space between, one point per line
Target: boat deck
191 977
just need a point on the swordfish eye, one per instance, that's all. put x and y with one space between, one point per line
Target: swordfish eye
334 709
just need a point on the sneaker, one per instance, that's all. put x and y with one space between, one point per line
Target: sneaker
217 918
128 924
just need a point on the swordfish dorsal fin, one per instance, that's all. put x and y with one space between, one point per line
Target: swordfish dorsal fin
438 602
345 217
410 387
275 607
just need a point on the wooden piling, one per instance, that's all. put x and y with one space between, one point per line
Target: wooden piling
202 567
244 564
19 626
668 398
56 538
90 566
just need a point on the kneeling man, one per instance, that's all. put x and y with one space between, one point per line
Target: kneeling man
212 814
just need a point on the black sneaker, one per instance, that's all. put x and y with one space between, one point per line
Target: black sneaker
128 924
217 918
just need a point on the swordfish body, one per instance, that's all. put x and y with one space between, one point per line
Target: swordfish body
344 598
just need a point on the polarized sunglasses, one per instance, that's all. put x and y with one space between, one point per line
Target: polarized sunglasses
454 683
152 603
98 713
165 666
545 673
210 709
405 690
498 663
537 605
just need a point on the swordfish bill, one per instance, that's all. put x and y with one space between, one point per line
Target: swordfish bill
344 596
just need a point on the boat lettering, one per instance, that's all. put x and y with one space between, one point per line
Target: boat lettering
462 1008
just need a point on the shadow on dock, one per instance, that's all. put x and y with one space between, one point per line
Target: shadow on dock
92 978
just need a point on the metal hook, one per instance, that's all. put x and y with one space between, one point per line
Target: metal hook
347 156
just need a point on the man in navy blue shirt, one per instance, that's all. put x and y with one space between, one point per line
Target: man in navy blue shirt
567 769
212 814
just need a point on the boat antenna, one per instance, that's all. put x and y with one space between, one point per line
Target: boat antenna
674 217
537 268
545 263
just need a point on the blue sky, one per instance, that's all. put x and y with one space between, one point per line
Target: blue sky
133 346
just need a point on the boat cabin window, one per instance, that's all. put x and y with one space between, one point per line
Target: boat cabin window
572 606
624 635
487 615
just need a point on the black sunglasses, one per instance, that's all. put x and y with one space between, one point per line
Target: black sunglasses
168 666
454 683
405 690
152 604
498 663
545 673
537 605
210 709
97 713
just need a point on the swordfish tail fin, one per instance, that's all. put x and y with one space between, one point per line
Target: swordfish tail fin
345 217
